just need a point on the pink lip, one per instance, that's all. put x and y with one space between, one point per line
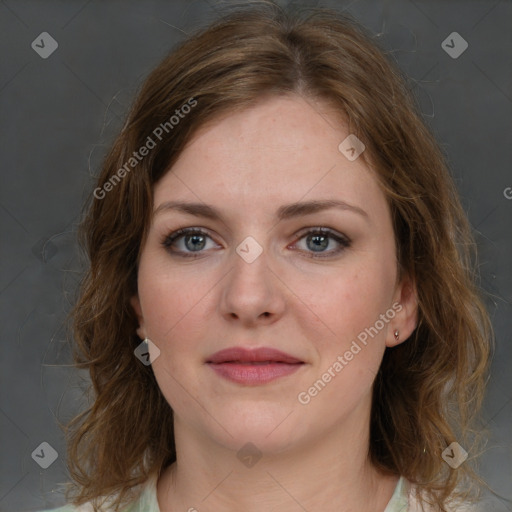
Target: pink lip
253 366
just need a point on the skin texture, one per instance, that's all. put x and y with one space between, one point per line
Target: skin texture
247 164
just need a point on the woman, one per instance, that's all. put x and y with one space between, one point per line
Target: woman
280 312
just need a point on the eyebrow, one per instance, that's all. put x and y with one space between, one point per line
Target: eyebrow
284 212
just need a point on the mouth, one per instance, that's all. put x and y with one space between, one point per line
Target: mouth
253 366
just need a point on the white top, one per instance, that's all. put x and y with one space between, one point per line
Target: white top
402 500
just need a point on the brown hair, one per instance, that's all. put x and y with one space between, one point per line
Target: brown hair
429 389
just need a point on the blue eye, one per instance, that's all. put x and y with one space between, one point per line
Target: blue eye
191 242
318 241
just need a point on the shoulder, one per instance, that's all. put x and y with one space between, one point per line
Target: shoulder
146 502
71 508
414 505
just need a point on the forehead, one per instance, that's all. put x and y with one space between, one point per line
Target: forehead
281 150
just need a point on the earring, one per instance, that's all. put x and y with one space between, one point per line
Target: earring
146 341
397 334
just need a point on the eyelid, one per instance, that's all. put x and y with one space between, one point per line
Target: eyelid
343 240
340 238
170 238
324 230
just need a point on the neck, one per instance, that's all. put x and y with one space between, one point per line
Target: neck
330 474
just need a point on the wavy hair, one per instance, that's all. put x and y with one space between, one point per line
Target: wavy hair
429 389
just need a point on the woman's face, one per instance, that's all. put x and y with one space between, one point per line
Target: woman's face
259 274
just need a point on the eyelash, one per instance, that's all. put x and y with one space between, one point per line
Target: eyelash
342 240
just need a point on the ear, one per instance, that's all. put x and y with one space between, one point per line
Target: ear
135 303
405 304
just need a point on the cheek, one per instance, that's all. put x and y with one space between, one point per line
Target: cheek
171 302
349 351
174 315
348 300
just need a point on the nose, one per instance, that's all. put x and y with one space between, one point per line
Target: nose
252 292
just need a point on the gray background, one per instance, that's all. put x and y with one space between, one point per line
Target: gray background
59 115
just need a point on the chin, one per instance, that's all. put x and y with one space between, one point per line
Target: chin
268 428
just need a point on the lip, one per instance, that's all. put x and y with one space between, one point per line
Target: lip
255 355
253 366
